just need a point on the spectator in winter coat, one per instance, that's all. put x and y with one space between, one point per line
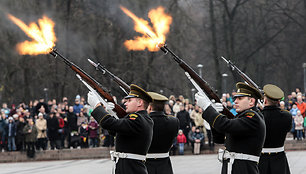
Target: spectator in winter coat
41 125
77 106
199 121
190 133
299 120
84 135
71 124
184 118
61 130
52 125
30 132
181 140
5 109
93 132
81 119
20 141
294 110
3 131
176 106
198 138
301 105
11 133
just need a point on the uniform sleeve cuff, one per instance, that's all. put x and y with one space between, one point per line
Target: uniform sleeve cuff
99 113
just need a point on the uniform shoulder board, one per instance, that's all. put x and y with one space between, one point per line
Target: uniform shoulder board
284 110
133 116
170 115
249 114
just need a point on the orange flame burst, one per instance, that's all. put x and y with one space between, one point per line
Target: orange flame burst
43 36
150 38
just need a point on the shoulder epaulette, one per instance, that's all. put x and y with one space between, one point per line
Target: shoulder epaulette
249 114
133 116
170 115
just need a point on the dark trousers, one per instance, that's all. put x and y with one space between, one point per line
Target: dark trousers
41 143
273 163
20 144
3 142
62 137
159 165
84 142
186 131
30 149
130 166
241 167
93 142
54 144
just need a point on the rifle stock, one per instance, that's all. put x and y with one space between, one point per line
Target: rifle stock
92 82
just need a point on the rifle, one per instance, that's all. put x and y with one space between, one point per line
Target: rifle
246 78
123 86
91 82
242 74
201 82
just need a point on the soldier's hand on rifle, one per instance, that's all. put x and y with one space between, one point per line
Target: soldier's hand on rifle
202 100
110 106
92 99
217 106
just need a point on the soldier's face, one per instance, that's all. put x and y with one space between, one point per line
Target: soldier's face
243 103
132 105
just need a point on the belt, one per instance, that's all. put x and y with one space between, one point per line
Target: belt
158 155
115 156
118 155
272 150
232 156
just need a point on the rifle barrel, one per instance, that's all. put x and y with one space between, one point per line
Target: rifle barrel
200 81
124 86
91 81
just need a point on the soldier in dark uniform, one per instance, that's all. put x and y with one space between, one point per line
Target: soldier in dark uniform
164 131
278 122
245 134
133 132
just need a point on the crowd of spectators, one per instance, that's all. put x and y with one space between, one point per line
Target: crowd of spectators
50 125
53 125
296 105
197 131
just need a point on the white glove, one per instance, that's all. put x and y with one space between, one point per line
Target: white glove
110 106
202 100
92 99
218 106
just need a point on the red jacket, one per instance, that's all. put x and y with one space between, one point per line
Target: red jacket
61 123
302 107
181 138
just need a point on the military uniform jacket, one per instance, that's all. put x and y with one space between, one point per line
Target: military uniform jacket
133 135
164 131
278 123
244 134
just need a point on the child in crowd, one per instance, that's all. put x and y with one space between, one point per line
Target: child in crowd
181 140
299 120
84 135
93 132
294 110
